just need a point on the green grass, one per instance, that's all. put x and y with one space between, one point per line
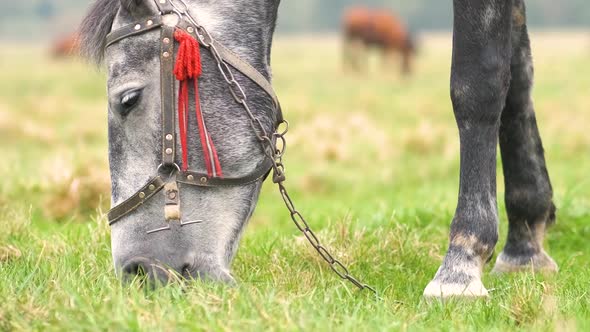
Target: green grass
372 163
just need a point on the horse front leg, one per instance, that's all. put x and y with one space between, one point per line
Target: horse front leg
479 85
529 194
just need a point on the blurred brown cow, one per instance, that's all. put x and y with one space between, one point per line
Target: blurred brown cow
66 46
378 28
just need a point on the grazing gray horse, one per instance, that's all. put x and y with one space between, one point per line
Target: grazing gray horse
217 214
492 76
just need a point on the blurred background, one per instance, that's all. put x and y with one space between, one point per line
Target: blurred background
44 19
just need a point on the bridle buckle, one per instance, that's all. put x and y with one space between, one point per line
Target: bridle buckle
172 210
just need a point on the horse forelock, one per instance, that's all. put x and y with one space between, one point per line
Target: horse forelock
96 26
98 22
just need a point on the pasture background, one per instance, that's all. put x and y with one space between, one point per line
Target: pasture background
373 162
39 19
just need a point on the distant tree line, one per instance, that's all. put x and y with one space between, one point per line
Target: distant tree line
304 16
324 15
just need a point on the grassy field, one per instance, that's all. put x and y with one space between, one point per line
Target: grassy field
373 163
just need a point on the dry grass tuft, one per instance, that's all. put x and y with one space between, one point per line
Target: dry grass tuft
37 131
326 139
53 247
15 222
313 183
527 303
72 188
430 139
421 140
29 311
13 127
9 253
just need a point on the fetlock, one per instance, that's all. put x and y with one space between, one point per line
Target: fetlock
524 249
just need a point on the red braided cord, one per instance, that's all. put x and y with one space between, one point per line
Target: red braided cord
188 67
182 121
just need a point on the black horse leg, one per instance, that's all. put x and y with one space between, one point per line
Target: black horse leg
348 52
479 87
528 189
353 52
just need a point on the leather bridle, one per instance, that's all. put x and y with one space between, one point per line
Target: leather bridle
169 182
169 174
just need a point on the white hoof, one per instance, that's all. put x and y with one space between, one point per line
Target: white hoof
541 262
475 289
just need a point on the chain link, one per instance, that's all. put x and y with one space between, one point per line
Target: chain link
339 269
275 153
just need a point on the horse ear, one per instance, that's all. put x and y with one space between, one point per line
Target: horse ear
139 8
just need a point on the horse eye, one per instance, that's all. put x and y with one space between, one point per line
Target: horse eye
129 100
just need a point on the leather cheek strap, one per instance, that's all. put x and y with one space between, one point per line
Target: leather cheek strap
132 203
167 94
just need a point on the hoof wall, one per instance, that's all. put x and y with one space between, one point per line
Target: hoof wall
540 262
475 289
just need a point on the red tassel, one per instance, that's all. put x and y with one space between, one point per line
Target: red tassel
188 67
183 120
188 61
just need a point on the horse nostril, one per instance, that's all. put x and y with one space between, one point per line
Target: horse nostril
186 270
143 268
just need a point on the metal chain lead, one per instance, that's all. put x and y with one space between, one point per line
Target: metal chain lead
340 269
275 153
